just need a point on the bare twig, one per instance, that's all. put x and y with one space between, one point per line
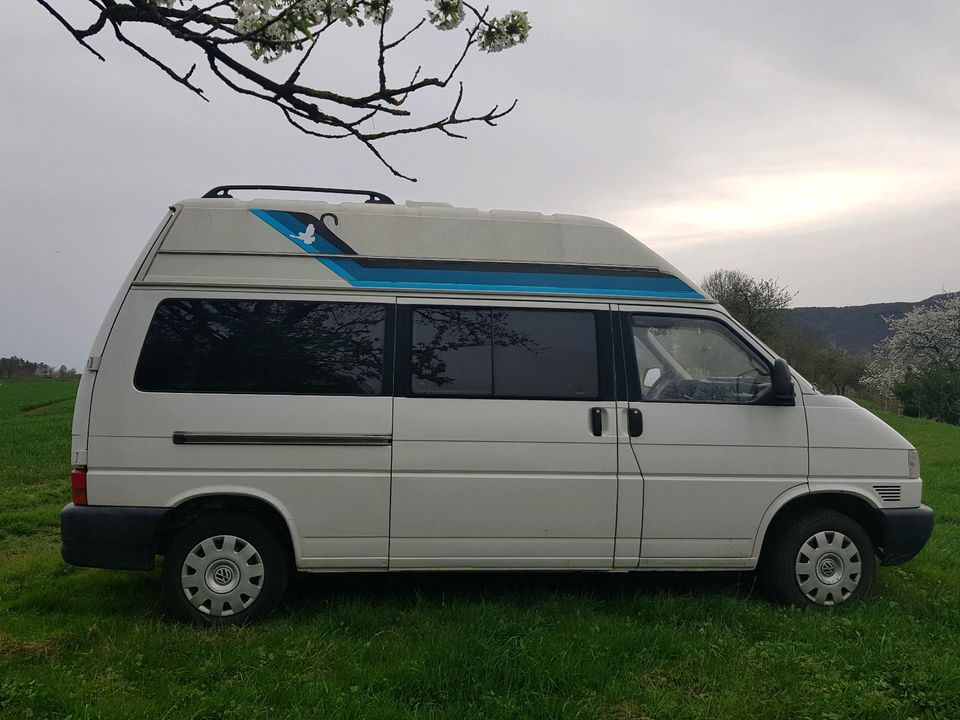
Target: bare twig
411 31
78 35
182 79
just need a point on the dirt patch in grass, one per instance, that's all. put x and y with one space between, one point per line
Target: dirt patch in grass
628 710
35 408
11 647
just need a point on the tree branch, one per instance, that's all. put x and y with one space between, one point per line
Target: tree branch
215 26
78 35
411 31
182 79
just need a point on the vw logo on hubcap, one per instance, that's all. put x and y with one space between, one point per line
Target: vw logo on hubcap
830 569
222 576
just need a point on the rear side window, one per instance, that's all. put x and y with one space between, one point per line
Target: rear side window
264 347
452 352
493 352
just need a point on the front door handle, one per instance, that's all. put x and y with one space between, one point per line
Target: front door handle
596 421
634 422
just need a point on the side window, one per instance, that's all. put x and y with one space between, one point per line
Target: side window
263 347
510 353
450 352
545 353
683 359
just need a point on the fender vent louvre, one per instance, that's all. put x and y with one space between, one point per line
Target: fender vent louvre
888 493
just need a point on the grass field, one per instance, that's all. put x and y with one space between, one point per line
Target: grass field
89 643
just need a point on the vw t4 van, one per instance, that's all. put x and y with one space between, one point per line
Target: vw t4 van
288 385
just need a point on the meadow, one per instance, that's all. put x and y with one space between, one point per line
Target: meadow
85 643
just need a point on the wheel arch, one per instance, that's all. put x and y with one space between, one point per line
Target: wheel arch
264 507
850 501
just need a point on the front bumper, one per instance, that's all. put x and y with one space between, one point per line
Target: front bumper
119 538
903 533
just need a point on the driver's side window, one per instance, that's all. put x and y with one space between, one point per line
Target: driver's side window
687 359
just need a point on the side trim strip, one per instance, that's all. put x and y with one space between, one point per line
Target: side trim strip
192 438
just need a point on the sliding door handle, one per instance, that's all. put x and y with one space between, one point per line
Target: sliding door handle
596 421
634 422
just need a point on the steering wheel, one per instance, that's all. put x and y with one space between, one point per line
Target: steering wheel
667 376
754 384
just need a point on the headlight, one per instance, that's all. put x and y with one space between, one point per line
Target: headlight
913 464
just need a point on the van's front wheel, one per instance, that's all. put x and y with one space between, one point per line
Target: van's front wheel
821 559
224 569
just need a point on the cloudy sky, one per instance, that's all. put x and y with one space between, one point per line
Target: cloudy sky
816 142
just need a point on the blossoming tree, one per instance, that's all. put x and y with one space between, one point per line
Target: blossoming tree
271 29
919 364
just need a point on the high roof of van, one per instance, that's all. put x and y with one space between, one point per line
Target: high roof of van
416 246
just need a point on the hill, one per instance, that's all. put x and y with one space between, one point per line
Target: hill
855 328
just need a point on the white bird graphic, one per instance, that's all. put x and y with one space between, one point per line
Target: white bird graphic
307 236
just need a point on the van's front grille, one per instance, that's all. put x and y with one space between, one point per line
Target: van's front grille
889 493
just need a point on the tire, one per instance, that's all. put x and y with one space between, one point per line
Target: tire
820 559
225 569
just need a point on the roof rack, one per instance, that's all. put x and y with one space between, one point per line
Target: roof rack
377 198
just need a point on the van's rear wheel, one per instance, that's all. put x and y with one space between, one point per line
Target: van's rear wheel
225 569
821 559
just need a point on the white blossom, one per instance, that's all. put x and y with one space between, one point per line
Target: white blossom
447 14
506 32
374 10
925 338
273 28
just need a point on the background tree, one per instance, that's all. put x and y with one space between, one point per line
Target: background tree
840 370
918 366
763 305
270 29
17 367
758 304
831 368
835 370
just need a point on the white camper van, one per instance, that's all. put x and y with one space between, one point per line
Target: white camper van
300 385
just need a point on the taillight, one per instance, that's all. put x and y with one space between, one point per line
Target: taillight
78 486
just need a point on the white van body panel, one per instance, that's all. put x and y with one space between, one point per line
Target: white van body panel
337 497
711 470
630 498
502 483
838 422
854 451
480 483
81 415
219 227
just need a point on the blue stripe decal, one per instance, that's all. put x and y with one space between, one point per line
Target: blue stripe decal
316 238
286 224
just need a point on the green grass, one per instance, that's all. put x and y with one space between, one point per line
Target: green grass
89 643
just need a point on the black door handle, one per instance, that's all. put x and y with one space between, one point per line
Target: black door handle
596 421
634 422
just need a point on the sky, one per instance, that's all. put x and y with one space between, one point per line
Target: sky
816 142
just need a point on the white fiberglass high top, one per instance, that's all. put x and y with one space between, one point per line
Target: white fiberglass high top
407 247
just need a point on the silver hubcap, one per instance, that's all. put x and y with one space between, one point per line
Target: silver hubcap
828 568
222 575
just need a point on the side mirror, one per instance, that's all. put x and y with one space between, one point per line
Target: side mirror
782 382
